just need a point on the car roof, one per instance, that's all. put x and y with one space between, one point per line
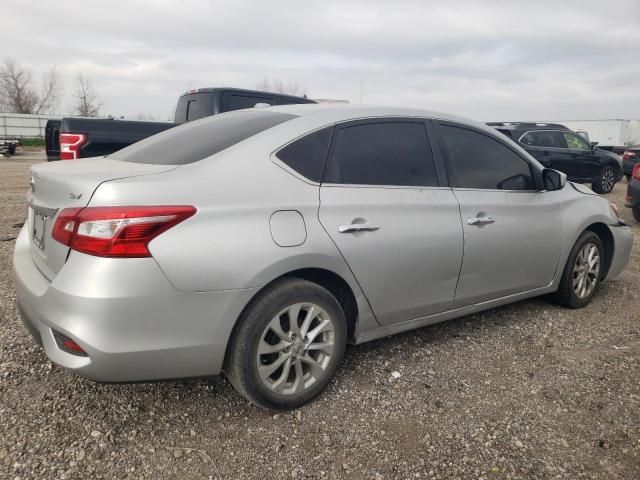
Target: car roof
345 112
246 91
527 126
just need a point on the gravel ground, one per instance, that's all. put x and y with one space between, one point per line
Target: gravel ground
525 391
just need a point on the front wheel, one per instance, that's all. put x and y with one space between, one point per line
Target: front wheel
288 345
582 272
605 182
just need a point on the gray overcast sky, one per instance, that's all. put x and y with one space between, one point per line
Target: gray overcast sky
489 60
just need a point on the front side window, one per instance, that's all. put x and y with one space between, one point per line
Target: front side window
478 161
382 153
575 142
544 138
308 154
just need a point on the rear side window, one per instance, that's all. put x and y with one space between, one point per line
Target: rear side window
194 141
544 138
307 155
478 161
382 153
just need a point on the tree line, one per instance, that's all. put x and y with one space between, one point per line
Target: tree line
20 93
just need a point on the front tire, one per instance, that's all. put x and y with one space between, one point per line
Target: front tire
605 182
288 345
582 272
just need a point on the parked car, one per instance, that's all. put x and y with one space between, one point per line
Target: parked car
630 158
557 147
260 242
633 192
76 137
8 145
614 135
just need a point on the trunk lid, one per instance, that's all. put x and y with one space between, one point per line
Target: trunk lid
59 185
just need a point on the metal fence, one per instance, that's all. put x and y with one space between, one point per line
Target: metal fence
17 125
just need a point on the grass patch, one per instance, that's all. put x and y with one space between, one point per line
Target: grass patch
33 142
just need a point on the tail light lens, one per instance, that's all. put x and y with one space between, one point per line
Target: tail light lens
68 345
70 144
116 231
635 173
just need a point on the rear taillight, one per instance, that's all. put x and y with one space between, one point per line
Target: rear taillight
70 144
116 231
628 155
635 173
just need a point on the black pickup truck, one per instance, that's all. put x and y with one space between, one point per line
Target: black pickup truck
78 137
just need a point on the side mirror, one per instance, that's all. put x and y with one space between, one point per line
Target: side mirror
553 179
593 145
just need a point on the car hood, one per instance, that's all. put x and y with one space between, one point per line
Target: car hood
608 154
579 187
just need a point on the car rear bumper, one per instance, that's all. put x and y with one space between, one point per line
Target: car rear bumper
133 324
622 244
627 166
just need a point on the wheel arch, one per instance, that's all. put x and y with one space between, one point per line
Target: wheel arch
606 237
333 282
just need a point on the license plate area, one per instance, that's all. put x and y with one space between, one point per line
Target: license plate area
38 229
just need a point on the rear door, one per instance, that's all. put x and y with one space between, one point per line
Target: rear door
549 148
512 231
398 229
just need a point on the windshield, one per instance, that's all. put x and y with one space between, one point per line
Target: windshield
194 141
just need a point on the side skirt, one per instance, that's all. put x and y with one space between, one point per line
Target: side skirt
388 330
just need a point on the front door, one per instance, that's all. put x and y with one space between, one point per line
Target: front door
398 230
513 232
582 158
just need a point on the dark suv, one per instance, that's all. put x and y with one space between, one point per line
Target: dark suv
556 146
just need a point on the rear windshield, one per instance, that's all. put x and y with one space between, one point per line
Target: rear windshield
194 141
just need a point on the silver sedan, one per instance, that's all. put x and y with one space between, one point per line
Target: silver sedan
259 242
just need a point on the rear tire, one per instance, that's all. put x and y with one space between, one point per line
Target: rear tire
288 345
636 213
581 276
605 182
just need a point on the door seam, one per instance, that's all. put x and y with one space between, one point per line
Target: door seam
344 259
455 293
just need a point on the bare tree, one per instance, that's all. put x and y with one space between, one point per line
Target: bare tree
87 102
18 95
278 86
51 90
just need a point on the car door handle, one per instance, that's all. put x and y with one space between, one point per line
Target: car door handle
480 220
357 227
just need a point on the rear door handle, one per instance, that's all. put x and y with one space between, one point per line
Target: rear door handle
480 220
357 227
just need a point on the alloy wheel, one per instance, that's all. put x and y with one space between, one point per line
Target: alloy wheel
608 180
586 270
295 348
